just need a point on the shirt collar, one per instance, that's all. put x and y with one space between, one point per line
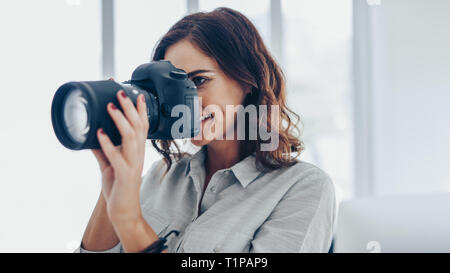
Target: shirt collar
245 170
196 162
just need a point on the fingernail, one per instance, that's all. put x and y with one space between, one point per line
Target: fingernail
123 94
113 107
101 131
142 98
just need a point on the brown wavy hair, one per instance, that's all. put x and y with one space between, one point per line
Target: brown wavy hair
233 41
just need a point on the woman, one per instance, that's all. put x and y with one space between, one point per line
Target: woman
232 195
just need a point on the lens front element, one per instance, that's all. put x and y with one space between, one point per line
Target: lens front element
76 116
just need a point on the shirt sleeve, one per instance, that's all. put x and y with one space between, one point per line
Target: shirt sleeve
303 220
151 181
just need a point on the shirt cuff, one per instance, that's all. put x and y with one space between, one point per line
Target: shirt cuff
114 249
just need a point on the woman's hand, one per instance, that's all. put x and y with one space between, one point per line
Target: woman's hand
121 173
122 165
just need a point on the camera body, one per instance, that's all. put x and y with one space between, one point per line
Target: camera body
171 87
79 108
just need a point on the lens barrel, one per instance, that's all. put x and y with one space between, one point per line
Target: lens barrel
95 96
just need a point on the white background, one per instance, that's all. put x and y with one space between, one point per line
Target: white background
411 97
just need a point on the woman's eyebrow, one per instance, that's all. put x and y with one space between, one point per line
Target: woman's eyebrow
195 72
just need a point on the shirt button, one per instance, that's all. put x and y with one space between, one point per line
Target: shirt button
213 189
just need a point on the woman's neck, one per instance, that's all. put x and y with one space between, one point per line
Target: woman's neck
222 155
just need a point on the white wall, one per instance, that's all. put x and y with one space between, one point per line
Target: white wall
410 66
46 191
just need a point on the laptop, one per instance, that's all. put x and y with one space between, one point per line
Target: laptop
402 223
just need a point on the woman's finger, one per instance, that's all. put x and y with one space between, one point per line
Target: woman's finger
128 133
130 111
111 153
103 162
142 111
125 129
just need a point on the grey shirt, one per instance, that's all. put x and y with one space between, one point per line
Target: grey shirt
290 209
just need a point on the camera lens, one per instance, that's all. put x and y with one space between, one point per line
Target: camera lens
79 109
76 116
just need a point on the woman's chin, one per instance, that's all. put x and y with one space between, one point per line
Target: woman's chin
200 142
203 140
205 136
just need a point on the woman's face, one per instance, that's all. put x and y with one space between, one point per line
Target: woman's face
215 90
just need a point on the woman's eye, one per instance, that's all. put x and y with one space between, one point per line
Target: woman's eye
199 81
